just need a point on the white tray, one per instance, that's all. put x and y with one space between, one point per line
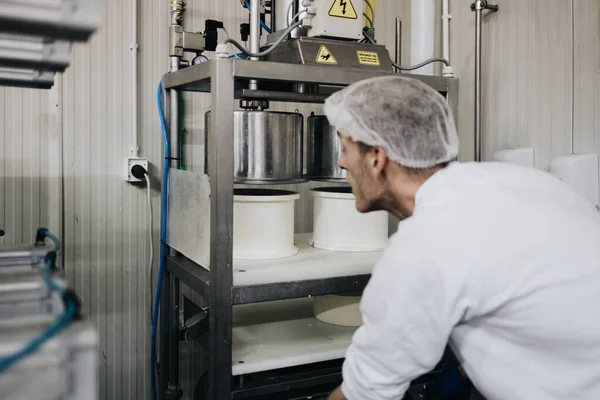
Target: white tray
282 334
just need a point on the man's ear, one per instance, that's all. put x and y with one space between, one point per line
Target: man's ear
377 160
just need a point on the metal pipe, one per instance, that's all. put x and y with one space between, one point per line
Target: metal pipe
445 30
398 55
422 34
254 34
173 391
174 119
478 11
478 7
135 149
177 10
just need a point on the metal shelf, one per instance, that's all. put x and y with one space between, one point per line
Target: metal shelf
225 285
283 334
312 272
197 78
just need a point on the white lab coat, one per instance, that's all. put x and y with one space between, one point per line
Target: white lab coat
504 263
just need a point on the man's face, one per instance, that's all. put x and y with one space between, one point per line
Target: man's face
367 185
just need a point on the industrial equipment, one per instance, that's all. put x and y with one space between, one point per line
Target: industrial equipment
269 348
42 336
36 38
323 150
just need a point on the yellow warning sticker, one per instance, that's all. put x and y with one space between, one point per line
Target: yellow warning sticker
325 57
368 58
343 9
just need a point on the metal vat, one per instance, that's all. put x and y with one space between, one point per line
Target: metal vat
267 146
323 149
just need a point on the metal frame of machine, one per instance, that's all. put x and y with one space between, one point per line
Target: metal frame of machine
226 80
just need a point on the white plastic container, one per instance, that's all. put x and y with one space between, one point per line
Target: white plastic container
263 224
339 226
338 309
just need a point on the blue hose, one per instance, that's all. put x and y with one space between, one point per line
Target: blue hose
163 239
53 238
265 27
72 309
35 344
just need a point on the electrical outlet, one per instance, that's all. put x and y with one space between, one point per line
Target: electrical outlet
130 162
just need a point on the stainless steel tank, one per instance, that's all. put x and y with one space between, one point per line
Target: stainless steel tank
323 150
267 146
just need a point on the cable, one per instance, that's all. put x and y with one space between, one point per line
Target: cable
295 16
230 45
424 63
369 38
270 49
45 232
372 13
71 311
51 283
369 19
287 14
35 344
163 237
265 27
151 263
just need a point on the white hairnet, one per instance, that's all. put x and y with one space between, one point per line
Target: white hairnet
406 117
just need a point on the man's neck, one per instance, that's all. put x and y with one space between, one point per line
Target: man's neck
403 188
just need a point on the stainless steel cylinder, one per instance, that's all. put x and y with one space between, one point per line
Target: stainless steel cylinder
323 150
267 146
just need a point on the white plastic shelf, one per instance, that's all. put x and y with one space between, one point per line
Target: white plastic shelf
282 334
309 263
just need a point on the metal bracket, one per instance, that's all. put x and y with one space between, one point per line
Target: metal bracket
181 41
483 5
197 325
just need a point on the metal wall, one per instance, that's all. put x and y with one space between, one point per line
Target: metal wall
541 89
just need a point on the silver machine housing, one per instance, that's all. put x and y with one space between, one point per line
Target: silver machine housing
323 150
268 146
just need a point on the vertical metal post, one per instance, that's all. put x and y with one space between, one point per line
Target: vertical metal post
398 55
453 99
165 318
478 7
174 336
478 12
163 376
254 34
220 171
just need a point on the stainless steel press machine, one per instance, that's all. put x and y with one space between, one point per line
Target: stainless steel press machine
316 48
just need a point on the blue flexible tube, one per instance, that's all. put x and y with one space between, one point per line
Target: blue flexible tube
265 27
72 308
53 237
163 239
35 344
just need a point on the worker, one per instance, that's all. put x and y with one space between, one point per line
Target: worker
500 261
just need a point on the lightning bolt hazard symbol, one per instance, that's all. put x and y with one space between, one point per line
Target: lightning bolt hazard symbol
343 9
343 4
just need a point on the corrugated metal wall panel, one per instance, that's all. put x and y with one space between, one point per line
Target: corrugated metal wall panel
527 77
29 163
106 219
